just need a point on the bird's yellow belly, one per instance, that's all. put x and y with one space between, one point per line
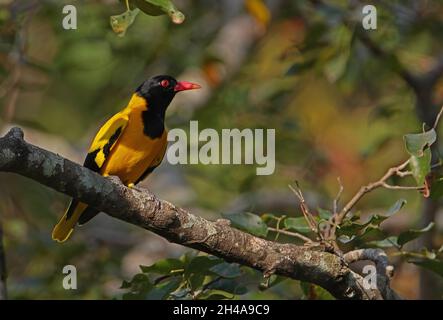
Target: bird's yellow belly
132 156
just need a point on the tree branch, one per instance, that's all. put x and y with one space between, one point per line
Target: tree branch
337 218
384 270
142 208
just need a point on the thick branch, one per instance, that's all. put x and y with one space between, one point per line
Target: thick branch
145 210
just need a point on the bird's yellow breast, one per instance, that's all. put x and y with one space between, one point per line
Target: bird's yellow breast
134 152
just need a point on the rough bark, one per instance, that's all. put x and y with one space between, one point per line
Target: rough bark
142 208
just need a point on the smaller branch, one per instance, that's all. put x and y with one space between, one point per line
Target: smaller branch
437 119
398 170
305 209
392 187
290 233
337 218
337 198
279 220
403 174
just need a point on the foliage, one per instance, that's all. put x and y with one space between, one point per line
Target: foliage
190 277
120 23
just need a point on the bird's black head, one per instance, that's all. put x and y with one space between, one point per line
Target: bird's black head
160 90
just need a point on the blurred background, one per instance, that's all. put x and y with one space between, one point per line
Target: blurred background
338 97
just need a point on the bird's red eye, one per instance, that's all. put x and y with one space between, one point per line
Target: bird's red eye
164 83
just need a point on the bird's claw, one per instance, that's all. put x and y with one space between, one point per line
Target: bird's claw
136 188
114 179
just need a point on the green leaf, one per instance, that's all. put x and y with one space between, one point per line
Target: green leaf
164 266
349 228
299 67
233 286
421 166
416 143
298 224
396 207
138 287
324 214
120 23
196 281
336 67
125 284
215 295
412 234
431 264
426 259
371 227
385 243
248 222
202 264
164 289
227 270
160 7
417 146
268 217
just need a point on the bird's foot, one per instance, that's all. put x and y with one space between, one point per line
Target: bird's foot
137 188
114 179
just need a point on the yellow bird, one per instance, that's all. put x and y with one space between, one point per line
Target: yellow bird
130 145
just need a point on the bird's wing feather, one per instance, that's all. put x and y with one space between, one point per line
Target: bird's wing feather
104 141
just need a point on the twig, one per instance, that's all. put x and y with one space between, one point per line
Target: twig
279 219
337 219
388 186
337 198
398 170
437 119
290 233
403 174
304 208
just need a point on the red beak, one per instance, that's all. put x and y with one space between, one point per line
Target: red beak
184 85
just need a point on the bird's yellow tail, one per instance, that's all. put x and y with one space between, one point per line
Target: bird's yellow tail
66 225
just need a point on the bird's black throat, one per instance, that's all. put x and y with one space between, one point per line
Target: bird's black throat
154 116
153 124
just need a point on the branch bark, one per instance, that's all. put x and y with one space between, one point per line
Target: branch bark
384 270
142 208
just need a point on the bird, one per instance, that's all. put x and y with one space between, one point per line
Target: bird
130 145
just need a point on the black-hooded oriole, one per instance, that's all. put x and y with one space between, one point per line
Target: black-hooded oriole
130 145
